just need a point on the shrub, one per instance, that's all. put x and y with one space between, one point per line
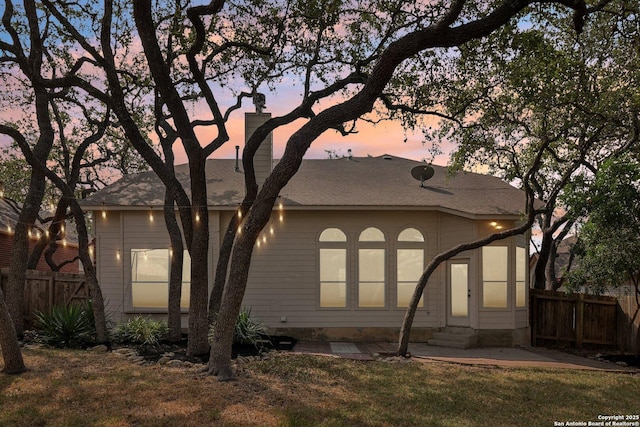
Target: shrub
248 329
140 330
67 326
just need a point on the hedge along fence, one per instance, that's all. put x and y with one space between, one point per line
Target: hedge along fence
45 289
560 319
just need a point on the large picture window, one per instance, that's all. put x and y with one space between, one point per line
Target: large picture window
371 269
495 263
333 268
150 278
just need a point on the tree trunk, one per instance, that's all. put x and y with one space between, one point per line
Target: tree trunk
97 301
198 304
13 363
550 269
224 255
175 277
543 256
220 357
20 250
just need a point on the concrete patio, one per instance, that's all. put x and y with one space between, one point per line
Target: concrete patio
494 356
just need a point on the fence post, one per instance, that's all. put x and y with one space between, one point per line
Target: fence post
534 320
579 320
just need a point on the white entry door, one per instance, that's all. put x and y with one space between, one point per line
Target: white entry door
458 293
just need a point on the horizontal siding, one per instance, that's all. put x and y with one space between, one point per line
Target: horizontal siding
522 318
498 319
283 279
293 291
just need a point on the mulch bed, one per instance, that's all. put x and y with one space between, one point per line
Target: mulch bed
179 349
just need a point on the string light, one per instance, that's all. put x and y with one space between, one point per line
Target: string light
239 230
9 228
150 215
30 234
118 255
64 242
264 239
271 230
197 217
46 233
239 214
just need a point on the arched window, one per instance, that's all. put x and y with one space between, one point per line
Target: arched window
332 235
410 265
371 268
333 268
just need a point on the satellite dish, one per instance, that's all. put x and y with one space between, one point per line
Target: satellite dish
422 173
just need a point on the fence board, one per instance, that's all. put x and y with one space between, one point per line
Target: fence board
45 289
577 319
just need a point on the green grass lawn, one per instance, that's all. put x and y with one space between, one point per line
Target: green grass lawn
76 388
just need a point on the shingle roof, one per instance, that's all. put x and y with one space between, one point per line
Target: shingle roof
360 182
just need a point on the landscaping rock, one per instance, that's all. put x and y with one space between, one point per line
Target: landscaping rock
164 360
200 368
98 349
175 364
135 359
622 363
124 351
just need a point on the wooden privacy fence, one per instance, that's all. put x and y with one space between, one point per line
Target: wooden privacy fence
46 289
576 319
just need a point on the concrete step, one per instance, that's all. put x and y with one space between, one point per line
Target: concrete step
445 336
454 337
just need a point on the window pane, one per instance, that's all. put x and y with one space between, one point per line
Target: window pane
405 292
371 234
494 263
410 264
495 295
333 265
459 289
150 294
521 264
333 235
410 235
371 265
186 267
185 295
333 294
371 294
149 265
521 294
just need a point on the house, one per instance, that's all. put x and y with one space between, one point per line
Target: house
67 249
341 256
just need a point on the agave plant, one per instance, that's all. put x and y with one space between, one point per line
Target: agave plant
66 326
248 330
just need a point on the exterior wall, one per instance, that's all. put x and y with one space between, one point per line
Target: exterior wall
511 317
62 254
116 235
283 286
